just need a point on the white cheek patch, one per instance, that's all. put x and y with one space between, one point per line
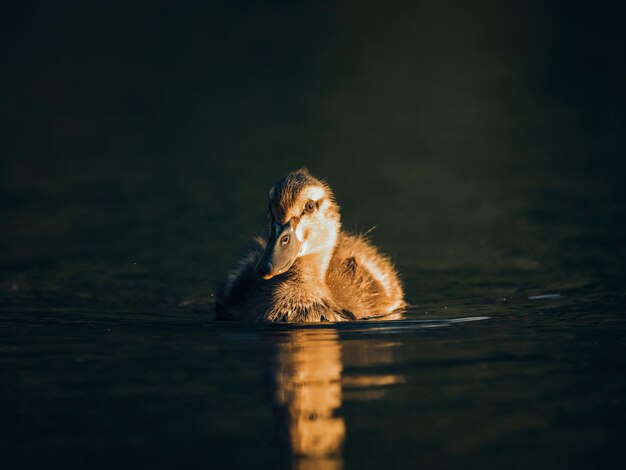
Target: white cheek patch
300 233
304 249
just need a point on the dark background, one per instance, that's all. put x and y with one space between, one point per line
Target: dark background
149 132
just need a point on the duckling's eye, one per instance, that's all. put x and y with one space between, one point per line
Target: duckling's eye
309 207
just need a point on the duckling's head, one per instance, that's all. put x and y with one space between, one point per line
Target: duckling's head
302 220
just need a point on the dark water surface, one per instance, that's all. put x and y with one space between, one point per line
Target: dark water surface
486 145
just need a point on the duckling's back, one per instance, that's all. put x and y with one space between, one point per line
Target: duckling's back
362 280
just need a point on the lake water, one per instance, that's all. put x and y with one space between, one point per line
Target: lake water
486 145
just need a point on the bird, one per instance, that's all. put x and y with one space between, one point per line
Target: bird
305 268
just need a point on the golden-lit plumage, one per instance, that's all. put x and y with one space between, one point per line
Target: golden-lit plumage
305 268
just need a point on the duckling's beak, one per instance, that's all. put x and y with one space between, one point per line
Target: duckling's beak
281 251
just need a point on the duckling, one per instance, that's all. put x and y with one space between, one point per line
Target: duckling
305 268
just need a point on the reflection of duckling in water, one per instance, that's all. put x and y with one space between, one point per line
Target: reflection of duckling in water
306 269
310 387
307 393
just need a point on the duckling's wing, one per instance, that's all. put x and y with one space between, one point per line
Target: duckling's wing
363 280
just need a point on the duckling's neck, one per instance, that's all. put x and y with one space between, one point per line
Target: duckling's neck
313 266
